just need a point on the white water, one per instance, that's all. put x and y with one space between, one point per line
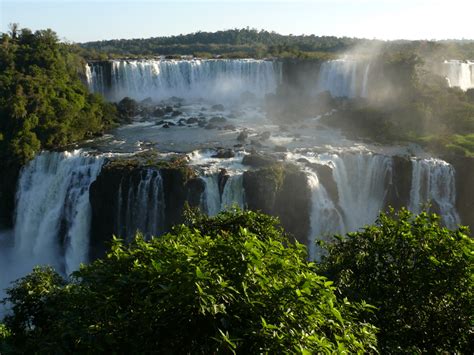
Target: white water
53 208
190 79
325 218
361 181
143 207
433 181
460 74
233 193
344 78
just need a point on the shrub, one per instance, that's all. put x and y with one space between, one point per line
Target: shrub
419 276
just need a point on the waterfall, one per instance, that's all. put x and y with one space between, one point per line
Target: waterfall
233 193
96 80
142 207
213 79
460 74
325 218
53 213
361 181
344 78
433 181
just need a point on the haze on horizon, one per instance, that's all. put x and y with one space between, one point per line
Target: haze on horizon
91 20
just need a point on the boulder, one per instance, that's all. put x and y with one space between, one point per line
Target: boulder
242 137
217 107
224 154
257 160
192 120
217 120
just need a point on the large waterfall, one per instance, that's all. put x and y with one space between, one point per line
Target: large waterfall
344 78
141 207
362 182
460 73
53 213
213 79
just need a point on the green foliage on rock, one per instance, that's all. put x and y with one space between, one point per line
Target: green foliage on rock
417 273
229 284
43 103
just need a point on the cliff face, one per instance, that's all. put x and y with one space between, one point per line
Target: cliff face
111 200
464 168
398 193
282 191
8 181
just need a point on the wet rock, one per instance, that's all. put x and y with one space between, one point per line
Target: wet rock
280 149
168 109
217 120
282 191
217 107
222 180
202 124
303 160
325 176
159 112
192 120
265 135
146 102
224 154
176 113
229 127
166 125
242 137
464 170
181 124
399 188
258 160
238 145
256 143
210 126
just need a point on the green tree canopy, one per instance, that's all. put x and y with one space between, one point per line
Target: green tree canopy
43 102
233 283
417 273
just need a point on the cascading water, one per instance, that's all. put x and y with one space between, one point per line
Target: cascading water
460 73
53 213
214 79
433 181
141 207
233 193
361 180
325 218
344 78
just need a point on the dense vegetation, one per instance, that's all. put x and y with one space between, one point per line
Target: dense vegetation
228 284
231 43
43 103
257 44
235 283
418 274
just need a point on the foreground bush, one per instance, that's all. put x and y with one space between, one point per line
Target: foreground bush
418 274
233 283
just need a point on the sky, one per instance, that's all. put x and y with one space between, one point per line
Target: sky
89 20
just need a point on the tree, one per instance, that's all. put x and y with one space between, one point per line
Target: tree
419 276
233 283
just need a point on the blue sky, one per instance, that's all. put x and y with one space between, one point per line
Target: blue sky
88 20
